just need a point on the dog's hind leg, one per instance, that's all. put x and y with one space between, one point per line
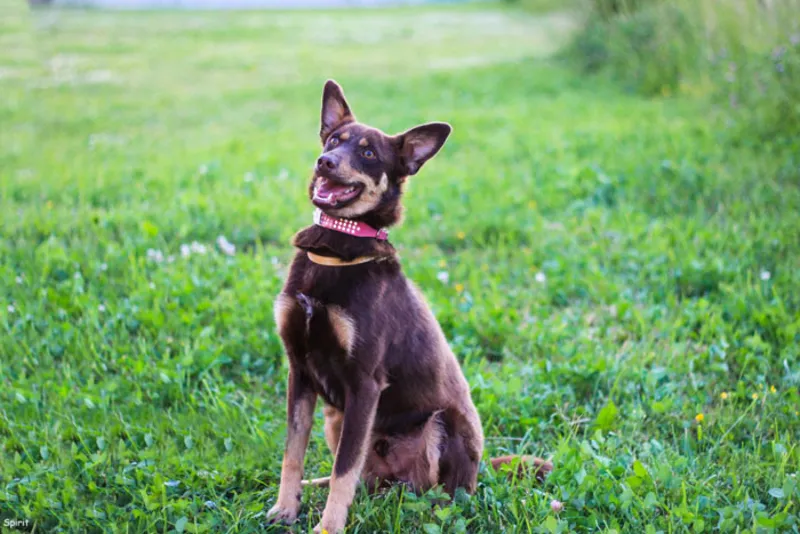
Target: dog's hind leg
410 458
333 427
461 451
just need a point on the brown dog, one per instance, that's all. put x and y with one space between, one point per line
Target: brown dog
359 334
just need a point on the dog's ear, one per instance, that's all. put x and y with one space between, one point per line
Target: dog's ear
335 110
421 143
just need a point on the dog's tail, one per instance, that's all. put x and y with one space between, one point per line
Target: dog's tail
323 482
523 466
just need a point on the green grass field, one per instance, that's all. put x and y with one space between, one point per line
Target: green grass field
620 280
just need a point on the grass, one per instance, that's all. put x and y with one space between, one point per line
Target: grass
618 279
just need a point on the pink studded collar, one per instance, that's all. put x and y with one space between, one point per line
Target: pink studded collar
347 226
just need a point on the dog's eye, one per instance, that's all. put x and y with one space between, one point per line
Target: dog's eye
369 154
334 141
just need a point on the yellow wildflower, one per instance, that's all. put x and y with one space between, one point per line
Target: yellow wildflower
442 263
754 396
459 287
699 418
461 235
772 389
723 395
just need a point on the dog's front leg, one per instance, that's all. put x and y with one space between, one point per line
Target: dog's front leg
361 403
300 402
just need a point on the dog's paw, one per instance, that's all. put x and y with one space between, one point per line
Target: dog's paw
328 527
319 529
283 514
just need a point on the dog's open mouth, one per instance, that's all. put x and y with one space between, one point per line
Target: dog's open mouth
331 194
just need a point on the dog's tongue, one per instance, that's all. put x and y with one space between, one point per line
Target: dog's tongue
329 191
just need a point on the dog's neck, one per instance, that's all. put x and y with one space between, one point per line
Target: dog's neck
349 226
327 242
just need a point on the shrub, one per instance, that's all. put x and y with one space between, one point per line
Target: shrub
607 9
647 50
742 53
755 59
543 5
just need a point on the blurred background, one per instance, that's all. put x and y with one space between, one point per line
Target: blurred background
609 240
230 4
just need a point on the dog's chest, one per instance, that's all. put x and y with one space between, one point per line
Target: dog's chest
329 335
328 373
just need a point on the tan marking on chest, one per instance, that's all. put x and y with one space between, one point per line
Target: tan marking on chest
344 328
283 306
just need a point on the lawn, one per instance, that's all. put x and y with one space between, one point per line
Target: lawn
618 278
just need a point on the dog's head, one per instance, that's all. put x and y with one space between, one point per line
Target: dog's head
361 170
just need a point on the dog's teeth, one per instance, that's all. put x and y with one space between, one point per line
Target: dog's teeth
330 197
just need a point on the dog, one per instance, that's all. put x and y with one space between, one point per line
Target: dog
359 334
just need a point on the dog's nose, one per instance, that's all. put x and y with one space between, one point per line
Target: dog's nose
327 161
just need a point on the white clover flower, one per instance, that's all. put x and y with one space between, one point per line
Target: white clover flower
765 275
443 276
185 250
540 277
226 246
155 255
198 248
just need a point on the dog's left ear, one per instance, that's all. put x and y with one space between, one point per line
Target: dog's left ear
335 110
421 143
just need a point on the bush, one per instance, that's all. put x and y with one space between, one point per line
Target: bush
606 9
647 50
741 53
756 80
540 6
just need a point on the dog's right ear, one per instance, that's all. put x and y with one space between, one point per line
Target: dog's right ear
335 110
